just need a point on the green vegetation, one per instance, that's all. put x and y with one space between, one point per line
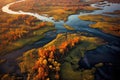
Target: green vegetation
75 74
28 60
70 65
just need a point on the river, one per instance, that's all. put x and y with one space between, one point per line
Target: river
106 52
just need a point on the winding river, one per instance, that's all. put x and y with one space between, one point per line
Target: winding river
103 53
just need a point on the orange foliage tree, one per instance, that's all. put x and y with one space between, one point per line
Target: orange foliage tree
47 62
69 43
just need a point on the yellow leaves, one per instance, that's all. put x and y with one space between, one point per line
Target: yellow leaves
52 48
13 35
45 52
41 73
50 59
58 64
48 79
55 63
61 51
41 52
57 68
50 66
63 47
44 62
51 55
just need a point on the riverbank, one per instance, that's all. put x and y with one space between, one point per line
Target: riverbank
58 10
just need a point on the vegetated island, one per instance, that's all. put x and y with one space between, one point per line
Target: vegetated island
68 27
59 58
107 24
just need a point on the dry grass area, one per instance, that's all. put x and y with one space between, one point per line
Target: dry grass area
107 24
112 28
59 14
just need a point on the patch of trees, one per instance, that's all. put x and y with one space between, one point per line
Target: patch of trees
14 28
48 63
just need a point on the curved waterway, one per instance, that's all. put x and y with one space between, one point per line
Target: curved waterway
105 53
7 10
